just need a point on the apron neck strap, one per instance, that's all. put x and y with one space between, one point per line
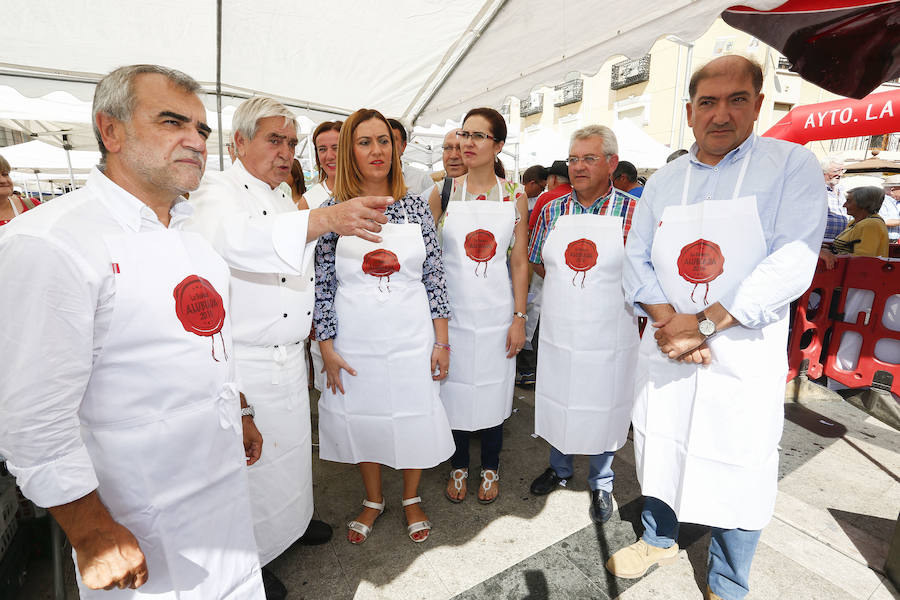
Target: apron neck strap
13 205
745 162
499 188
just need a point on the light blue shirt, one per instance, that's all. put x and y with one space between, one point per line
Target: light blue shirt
790 199
890 209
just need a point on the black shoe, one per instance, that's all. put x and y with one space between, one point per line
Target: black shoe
317 532
546 482
275 590
601 506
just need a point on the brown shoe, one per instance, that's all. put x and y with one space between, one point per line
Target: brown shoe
711 596
633 561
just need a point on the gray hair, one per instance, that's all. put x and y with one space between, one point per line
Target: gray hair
610 145
246 117
831 161
4 165
114 95
867 198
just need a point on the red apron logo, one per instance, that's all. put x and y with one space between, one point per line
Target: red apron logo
701 262
481 247
581 256
381 263
200 309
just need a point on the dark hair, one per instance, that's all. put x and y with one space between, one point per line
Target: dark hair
868 198
297 175
535 173
627 169
676 154
715 67
322 128
398 126
498 130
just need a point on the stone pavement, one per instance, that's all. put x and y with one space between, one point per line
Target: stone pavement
839 497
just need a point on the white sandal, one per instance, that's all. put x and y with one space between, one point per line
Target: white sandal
418 526
361 528
457 476
487 483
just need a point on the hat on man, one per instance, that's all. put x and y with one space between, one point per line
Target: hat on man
891 182
559 168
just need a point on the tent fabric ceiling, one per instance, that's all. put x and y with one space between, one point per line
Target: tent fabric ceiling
400 57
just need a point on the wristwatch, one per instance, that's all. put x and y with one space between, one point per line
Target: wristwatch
706 325
248 411
520 315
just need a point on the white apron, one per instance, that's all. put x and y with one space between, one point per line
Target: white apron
706 438
274 381
390 412
588 338
162 423
478 392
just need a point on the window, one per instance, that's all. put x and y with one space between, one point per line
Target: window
723 45
630 72
532 105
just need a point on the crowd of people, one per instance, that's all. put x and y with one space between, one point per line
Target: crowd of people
156 390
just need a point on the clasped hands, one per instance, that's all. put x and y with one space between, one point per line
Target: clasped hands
678 337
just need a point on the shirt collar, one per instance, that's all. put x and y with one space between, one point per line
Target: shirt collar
732 157
126 208
574 197
247 179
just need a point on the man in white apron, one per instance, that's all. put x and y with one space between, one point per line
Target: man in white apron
588 335
723 240
257 229
121 412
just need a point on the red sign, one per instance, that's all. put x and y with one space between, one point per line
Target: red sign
701 262
581 256
873 115
200 309
481 246
381 263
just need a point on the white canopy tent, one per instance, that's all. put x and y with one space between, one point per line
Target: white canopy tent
639 148
422 61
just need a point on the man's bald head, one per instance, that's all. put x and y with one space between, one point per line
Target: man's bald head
728 66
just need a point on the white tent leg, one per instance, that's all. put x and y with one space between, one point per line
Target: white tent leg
38 179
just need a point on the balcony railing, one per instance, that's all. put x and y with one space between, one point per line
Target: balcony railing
569 92
630 72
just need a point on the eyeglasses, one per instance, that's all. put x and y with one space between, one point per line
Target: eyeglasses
449 148
589 160
477 136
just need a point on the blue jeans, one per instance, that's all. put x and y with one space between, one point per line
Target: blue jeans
491 444
730 550
601 473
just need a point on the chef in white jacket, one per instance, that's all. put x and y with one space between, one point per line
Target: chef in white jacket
260 233
722 241
120 409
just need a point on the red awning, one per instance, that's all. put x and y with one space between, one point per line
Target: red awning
873 115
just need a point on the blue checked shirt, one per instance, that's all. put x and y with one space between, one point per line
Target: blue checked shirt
614 203
837 220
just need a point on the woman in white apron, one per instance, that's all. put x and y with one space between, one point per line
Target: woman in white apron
325 141
481 225
381 318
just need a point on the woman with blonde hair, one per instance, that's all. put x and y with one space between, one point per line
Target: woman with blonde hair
325 141
484 222
381 318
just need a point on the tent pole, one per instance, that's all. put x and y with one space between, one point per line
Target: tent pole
219 82
38 179
67 147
